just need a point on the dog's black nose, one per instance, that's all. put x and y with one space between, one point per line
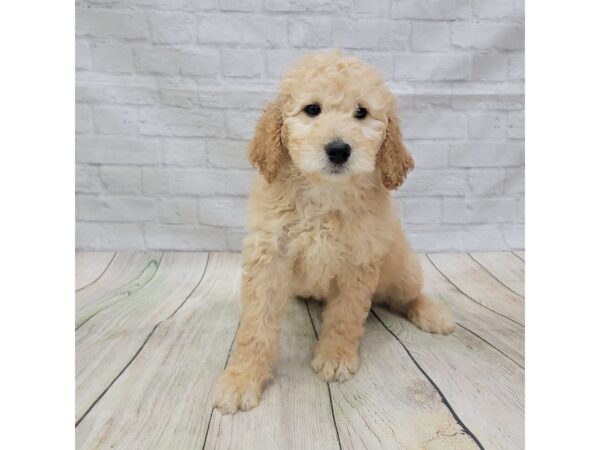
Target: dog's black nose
338 152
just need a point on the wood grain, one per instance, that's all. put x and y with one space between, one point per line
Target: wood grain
389 403
296 401
506 267
89 266
503 334
162 400
106 343
129 272
486 391
476 283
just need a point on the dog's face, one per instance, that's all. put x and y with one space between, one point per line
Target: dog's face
334 118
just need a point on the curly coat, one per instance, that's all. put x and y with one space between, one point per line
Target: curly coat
315 233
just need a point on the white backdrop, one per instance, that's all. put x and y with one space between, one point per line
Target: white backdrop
168 92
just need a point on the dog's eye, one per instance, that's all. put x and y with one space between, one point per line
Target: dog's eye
312 110
360 113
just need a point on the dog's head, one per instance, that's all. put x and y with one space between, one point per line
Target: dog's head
333 118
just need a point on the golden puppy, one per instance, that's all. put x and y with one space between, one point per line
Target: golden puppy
322 223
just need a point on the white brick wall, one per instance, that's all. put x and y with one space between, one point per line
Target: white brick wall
168 92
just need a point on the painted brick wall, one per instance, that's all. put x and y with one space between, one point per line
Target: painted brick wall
168 92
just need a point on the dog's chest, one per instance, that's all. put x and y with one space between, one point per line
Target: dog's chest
323 244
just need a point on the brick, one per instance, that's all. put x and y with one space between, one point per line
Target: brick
483 238
515 181
436 240
235 98
126 95
228 154
174 61
206 182
83 119
493 9
420 210
487 155
382 61
431 9
516 66
87 179
370 34
235 237
246 63
489 102
115 208
487 125
485 36
228 29
434 125
155 180
184 237
490 67
429 154
187 5
429 182
309 32
178 210
222 211
83 55
172 28
121 179
117 150
108 236
430 36
307 5
183 98
185 152
241 124
116 120
480 210
169 121
486 182
516 125
279 61
432 67
520 9
514 236
240 5
112 57
105 22
369 9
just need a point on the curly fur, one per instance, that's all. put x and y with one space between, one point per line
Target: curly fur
315 233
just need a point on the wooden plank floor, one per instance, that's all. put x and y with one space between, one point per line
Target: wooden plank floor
154 330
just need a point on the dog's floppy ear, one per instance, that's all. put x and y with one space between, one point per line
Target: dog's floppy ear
266 150
393 160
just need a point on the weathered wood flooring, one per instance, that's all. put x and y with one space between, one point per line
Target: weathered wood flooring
154 330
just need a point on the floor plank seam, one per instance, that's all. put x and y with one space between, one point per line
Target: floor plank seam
99 276
489 343
435 386
145 341
118 375
495 277
514 253
337 433
224 367
468 296
194 289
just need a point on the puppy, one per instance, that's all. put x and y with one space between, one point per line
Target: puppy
329 149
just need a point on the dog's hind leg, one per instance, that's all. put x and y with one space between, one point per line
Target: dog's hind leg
400 288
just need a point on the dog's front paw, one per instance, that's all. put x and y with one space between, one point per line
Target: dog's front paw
335 365
237 390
